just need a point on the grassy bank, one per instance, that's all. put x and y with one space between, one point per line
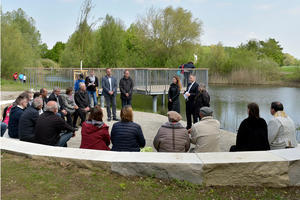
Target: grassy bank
11 85
24 178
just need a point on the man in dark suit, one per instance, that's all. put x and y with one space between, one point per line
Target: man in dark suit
109 86
189 95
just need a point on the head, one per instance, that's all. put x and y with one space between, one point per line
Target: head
56 91
126 73
174 116
30 94
44 92
126 114
69 91
22 100
108 71
206 112
36 94
52 107
202 87
92 73
82 86
176 81
80 76
96 114
253 110
37 103
192 78
275 107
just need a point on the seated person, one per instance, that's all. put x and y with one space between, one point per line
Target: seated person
172 136
281 129
94 132
51 129
28 120
127 135
82 101
205 134
37 94
44 94
69 103
15 114
253 132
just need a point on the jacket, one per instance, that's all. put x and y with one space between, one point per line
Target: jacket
94 135
6 113
52 97
127 136
68 103
91 88
105 85
82 99
193 92
172 137
252 135
202 99
126 86
48 128
174 93
205 134
27 124
13 124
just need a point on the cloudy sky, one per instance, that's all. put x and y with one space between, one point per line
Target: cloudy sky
228 21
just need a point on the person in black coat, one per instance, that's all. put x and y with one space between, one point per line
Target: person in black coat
189 95
92 83
253 132
173 95
44 94
82 100
126 88
28 120
202 99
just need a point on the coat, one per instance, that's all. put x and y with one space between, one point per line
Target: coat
105 86
127 136
126 86
27 124
13 124
52 97
68 103
190 101
82 99
252 135
172 137
202 99
173 94
94 135
91 88
205 134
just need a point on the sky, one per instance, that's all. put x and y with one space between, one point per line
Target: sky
230 22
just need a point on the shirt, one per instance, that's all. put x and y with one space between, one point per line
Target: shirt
109 80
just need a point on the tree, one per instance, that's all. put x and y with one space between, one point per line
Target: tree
272 49
56 52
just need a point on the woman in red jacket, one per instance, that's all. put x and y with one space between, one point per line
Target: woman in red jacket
94 132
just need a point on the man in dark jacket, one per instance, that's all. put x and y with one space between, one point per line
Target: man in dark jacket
126 87
91 83
81 98
44 94
51 129
28 120
109 85
189 95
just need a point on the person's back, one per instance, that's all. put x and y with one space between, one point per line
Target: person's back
13 124
81 99
27 124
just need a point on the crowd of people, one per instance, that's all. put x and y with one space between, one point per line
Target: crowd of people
52 120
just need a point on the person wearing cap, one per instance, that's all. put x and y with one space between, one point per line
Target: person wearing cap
172 136
205 134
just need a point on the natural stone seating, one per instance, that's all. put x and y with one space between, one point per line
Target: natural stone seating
277 168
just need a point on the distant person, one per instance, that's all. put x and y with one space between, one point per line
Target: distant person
79 80
5 118
174 94
281 129
44 94
21 76
172 136
51 129
189 95
15 114
69 104
30 94
253 132
15 76
24 78
92 83
188 71
94 132
126 88
28 120
127 135
55 96
109 85
82 100
202 99
205 134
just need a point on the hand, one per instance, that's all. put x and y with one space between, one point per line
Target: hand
110 92
170 100
187 94
64 112
75 107
189 131
87 109
127 94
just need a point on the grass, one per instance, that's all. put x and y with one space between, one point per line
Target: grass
11 85
289 69
290 73
24 178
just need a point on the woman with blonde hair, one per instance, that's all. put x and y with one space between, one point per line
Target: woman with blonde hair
174 94
127 135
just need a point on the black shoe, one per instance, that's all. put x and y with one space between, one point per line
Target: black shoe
108 119
116 119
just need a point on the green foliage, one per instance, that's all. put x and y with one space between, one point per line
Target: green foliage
48 63
289 60
56 52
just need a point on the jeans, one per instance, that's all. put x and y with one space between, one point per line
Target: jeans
111 101
3 128
92 94
64 138
126 102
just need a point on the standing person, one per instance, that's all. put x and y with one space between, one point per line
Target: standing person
174 94
79 80
127 135
69 104
126 88
189 95
281 129
21 76
109 85
44 94
202 99
187 73
15 76
91 83
24 78
253 132
82 100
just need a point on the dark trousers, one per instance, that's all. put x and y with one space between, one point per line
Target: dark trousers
126 102
82 114
69 118
111 101
190 111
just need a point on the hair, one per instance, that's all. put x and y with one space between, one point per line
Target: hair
36 94
38 101
81 84
56 89
80 76
202 87
253 110
277 106
126 70
107 69
96 113
21 97
126 114
42 90
178 82
190 62
69 90
51 108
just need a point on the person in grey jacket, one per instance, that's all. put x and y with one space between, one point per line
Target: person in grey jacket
126 87
69 103
109 86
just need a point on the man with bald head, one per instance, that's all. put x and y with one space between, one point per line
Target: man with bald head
51 129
